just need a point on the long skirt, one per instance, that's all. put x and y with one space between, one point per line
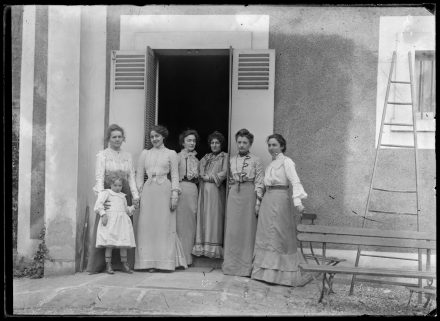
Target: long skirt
241 225
158 245
210 217
276 256
96 257
186 213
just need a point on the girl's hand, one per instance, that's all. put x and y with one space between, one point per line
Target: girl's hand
173 204
300 208
104 219
107 205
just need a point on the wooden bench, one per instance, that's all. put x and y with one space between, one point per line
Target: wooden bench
366 237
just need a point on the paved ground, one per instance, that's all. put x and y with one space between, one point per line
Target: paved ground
200 291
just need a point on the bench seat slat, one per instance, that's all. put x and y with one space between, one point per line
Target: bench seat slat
366 232
366 241
368 271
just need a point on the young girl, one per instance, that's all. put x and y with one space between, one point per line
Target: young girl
115 229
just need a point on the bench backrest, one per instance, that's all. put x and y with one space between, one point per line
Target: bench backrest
366 236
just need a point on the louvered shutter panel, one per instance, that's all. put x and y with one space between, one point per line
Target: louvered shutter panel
150 95
253 81
127 97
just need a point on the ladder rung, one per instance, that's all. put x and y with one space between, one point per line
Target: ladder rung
400 82
393 191
387 212
395 145
389 257
399 124
398 103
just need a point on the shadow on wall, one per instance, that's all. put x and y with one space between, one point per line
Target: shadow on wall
324 83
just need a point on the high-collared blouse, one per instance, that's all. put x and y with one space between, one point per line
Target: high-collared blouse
119 202
109 160
247 168
157 163
281 171
215 166
188 164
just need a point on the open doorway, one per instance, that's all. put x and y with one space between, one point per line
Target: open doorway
193 92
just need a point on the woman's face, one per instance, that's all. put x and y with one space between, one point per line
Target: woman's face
215 145
116 139
243 144
156 139
189 142
274 147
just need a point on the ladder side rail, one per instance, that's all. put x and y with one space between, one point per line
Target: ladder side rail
414 118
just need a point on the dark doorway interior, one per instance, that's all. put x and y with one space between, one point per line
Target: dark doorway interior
194 93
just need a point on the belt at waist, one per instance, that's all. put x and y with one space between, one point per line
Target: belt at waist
236 182
194 180
277 187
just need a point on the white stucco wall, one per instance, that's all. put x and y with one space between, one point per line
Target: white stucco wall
62 127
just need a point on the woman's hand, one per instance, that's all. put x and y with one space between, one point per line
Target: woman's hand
136 203
107 205
257 209
173 204
205 178
104 219
300 208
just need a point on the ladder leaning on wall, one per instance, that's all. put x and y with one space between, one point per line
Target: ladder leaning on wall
378 148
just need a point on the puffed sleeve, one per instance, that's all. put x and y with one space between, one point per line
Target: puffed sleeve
298 190
220 176
259 178
140 170
132 179
174 169
99 205
231 176
202 166
99 172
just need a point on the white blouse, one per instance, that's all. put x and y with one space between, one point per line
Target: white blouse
109 160
188 164
157 163
281 171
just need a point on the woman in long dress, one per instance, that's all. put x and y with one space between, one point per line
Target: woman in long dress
158 246
211 203
245 186
109 161
186 211
275 255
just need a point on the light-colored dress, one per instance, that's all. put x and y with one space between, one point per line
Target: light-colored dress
186 211
158 245
211 206
245 183
108 161
275 255
118 232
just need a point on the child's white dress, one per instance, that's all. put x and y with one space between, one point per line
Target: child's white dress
119 230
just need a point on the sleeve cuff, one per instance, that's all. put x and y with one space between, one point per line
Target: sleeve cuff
297 201
101 212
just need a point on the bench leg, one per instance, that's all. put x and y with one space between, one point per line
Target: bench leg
410 296
325 286
330 283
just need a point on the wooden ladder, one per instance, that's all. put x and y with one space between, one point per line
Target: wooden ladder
373 188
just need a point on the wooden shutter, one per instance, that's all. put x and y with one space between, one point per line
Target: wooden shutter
150 95
253 81
127 97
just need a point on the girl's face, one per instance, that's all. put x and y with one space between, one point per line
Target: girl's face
189 142
117 186
215 145
156 139
274 147
116 139
243 144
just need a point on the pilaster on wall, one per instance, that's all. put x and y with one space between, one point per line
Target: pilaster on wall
62 126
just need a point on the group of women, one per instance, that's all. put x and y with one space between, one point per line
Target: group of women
183 209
